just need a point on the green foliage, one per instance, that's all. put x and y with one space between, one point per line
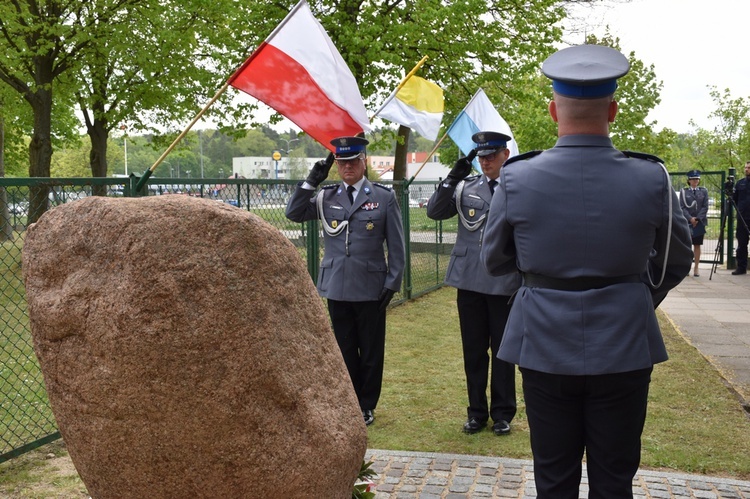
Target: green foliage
366 473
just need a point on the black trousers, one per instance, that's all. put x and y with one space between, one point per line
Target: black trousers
742 241
603 415
482 318
360 332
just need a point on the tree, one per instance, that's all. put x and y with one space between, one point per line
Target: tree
143 72
40 43
731 134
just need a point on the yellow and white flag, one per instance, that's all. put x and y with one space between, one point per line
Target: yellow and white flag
418 104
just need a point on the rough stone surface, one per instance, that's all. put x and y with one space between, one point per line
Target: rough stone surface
186 353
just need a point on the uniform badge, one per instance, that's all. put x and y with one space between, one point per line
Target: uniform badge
472 212
334 224
370 226
370 206
367 190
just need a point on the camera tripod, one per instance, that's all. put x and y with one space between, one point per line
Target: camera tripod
720 243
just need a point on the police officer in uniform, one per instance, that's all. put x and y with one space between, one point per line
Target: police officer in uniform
483 301
358 281
582 328
694 205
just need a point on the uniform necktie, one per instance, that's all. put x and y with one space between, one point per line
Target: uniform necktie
493 183
350 193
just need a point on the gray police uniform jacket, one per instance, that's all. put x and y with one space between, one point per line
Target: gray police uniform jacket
694 204
465 269
359 272
585 209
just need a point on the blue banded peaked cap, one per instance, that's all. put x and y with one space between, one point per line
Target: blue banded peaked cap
585 71
349 147
693 174
489 142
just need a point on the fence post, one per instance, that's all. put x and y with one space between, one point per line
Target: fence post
731 260
312 244
406 217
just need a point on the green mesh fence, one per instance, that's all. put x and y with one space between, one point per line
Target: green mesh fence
27 420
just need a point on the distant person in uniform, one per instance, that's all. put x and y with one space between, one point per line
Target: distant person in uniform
358 281
600 239
741 197
483 301
694 204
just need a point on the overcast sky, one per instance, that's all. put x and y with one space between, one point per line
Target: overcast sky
692 45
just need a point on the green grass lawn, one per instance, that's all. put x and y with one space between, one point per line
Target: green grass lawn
695 423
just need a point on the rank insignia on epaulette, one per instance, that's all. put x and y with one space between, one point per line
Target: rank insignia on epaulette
382 186
643 155
521 157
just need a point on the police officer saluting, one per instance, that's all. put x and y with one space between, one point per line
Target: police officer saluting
482 300
582 328
357 216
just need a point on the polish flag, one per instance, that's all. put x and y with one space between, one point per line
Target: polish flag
298 72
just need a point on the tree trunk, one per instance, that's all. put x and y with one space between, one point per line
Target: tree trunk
98 134
40 150
6 234
399 165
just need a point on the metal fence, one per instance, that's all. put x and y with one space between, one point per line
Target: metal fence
26 420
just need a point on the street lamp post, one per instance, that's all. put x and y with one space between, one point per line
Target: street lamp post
125 146
287 151
200 141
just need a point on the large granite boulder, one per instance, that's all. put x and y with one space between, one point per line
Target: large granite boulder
186 353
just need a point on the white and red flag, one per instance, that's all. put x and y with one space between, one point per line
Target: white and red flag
299 72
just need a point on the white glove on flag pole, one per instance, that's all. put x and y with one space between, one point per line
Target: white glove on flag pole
299 72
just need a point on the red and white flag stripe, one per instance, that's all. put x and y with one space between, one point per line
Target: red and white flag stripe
299 72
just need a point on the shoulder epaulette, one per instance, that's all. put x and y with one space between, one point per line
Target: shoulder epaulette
472 178
381 186
643 155
331 186
519 157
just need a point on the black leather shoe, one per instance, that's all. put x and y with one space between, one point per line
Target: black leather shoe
501 427
369 416
739 272
473 425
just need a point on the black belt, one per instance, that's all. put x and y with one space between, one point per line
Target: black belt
576 283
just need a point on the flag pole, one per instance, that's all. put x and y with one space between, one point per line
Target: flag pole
408 182
148 172
400 85
427 159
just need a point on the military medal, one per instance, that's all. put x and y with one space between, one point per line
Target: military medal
370 226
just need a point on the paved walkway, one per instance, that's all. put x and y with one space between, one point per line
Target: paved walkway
713 314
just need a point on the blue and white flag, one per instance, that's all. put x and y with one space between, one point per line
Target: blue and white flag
479 115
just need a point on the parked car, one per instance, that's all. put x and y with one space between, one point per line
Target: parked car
21 208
